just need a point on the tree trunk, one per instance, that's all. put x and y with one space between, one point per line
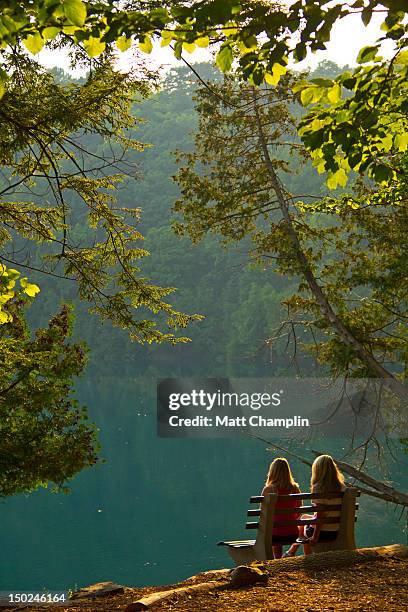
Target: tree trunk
326 309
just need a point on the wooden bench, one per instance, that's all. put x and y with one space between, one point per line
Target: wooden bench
245 551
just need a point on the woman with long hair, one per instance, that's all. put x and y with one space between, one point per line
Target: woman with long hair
280 480
326 478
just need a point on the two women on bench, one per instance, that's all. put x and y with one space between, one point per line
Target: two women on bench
326 478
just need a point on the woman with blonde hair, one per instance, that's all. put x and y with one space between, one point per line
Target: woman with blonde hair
326 478
280 480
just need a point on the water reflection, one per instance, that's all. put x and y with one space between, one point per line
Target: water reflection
153 512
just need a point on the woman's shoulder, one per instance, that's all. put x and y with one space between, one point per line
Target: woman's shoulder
268 489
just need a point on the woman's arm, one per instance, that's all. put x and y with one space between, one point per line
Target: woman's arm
319 514
316 533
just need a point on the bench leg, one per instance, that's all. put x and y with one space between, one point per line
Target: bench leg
242 556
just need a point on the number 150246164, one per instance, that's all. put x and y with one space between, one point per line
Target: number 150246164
32 597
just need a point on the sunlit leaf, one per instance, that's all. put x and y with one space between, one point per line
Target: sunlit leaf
167 37
50 33
29 288
224 58
123 43
189 47
334 93
34 43
203 42
271 79
337 178
279 69
306 96
402 58
75 11
5 317
146 44
401 141
94 46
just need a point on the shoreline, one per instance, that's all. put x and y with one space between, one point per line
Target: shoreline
374 579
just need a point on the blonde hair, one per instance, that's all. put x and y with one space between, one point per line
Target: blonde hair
326 476
280 476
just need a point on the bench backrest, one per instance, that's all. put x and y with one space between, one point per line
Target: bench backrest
267 512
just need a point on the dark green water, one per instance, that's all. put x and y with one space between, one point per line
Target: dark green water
155 510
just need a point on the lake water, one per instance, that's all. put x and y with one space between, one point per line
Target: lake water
154 511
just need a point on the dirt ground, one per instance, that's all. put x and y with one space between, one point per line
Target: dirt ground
378 584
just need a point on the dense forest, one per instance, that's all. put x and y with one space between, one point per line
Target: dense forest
241 302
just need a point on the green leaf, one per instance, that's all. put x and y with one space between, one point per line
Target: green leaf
354 159
202 42
29 288
160 14
146 44
70 29
366 15
337 178
307 95
167 37
271 79
274 76
5 317
75 12
34 43
189 47
299 86
10 273
367 54
178 48
300 52
249 41
224 58
401 141
381 173
387 142
94 46
278 69
123 43
321 82
50 33
334 94
219 10
402 58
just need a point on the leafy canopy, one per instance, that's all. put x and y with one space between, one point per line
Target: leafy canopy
44 435
260 31
58 207
263 36
358 121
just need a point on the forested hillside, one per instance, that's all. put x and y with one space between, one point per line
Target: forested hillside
241 303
